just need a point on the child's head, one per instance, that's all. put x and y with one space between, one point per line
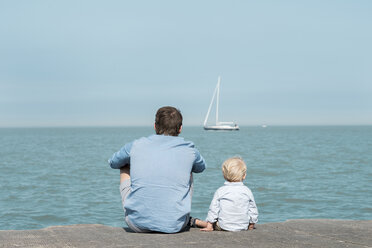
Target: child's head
234 169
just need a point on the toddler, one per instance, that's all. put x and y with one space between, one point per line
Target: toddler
233 207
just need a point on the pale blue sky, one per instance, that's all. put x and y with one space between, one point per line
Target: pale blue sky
79 63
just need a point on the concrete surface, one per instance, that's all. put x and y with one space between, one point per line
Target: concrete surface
292 233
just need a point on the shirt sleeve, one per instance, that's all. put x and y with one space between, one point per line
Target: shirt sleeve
199 163
252 209
121 157
214 209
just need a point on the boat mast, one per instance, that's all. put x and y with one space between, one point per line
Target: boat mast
218 98
210 105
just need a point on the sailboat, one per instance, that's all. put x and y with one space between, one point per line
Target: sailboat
230 126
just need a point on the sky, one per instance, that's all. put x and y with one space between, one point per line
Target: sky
114 63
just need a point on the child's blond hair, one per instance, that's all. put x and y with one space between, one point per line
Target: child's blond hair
234 169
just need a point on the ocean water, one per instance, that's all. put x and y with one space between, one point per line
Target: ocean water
60 176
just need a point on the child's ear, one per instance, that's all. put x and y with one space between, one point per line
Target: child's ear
244 176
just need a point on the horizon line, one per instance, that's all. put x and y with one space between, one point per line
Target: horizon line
192 125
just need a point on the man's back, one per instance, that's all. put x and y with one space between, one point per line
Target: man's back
161 167
156 188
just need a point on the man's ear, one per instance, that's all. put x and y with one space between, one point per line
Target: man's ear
155 126
179 131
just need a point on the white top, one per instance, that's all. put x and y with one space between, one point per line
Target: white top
233 206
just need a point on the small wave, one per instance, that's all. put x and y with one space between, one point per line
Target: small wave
296 200
49 218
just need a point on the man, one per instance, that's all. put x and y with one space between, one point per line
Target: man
155 176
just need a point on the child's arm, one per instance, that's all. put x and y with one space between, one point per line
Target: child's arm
213 212
200 223
253 212
208 228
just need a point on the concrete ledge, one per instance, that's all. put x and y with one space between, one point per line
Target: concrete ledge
292 233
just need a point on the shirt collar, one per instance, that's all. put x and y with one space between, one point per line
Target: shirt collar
234 183
164 136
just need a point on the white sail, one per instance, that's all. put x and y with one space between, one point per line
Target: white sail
219 125
218 97
210 105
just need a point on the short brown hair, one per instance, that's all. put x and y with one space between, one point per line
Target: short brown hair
234 169
168 121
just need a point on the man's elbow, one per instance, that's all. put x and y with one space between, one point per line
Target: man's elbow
112 164
199 169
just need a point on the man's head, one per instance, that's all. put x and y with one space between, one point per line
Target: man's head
168 121
234 169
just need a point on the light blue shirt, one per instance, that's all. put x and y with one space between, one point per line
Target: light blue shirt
160 170
233 206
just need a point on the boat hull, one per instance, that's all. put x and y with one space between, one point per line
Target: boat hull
221 128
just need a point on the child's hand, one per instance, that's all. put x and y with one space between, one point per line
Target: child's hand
209 228
251 226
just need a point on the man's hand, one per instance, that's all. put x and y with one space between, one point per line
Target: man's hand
251 226
209 228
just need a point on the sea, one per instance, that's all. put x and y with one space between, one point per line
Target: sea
60 176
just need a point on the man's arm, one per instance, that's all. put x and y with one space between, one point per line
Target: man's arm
199 163
121 157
